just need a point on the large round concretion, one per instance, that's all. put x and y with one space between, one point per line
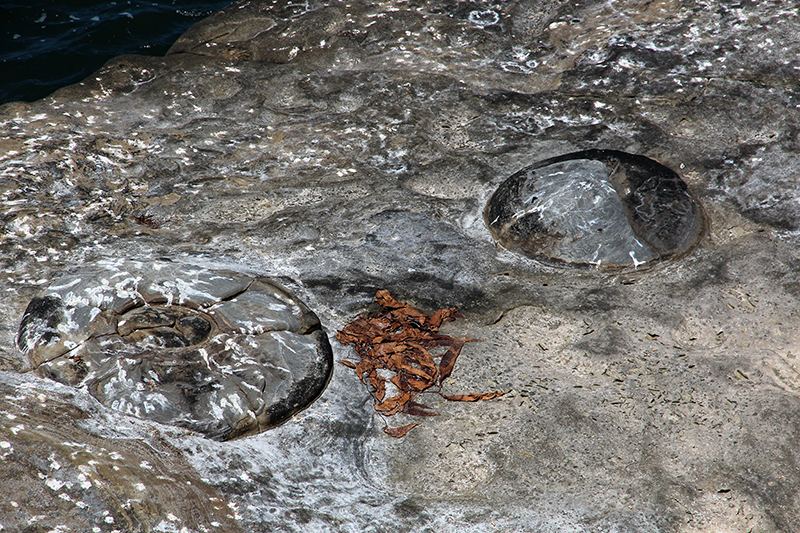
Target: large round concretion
215 351
604 208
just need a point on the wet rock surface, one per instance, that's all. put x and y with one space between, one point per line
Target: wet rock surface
59 470
217 352
598 207
344 148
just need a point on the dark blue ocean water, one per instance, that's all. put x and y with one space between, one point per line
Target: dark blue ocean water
48 44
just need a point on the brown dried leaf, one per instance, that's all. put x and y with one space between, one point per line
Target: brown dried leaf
444 315
399 310
393 405
394 361
359 329
349 363
401 382
385 300
384 349
419 372
379 384
428 364
365 366
401 431
419 385
475 397
345 338
418 409
409 384
448 360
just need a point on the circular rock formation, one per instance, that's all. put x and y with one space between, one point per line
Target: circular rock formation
217 352
604 208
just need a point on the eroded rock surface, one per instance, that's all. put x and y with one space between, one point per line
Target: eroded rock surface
341 148
70 466
217 352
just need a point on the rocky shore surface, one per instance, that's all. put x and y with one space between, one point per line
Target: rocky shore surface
348 147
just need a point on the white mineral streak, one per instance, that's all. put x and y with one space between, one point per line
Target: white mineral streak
223 406
248 327
56 289
97 296
54 484
252 387
277 307
204 354
282 337
128 288
85 482
94 313
233 344
189 289
636 262
165 288
36 332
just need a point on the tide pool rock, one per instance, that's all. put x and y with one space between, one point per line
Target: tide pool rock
215 351
604 208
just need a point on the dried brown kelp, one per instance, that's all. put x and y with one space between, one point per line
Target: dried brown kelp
402 344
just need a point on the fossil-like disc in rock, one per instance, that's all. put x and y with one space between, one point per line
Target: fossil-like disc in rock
605 208
214 351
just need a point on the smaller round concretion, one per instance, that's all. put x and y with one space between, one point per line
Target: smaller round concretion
215 351
604 208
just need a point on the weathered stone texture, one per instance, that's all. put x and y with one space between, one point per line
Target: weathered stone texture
349 147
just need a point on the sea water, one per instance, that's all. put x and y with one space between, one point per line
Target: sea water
48 44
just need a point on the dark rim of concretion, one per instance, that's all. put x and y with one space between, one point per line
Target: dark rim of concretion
660 210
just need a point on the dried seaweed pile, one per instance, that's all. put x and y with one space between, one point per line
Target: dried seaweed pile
402 344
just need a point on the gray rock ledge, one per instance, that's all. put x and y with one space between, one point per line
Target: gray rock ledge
345 147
